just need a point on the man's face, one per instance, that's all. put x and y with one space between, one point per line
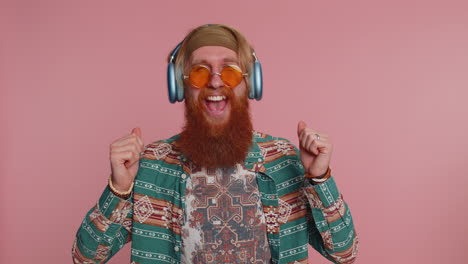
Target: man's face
214 101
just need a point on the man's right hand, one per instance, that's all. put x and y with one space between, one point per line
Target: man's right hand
124 157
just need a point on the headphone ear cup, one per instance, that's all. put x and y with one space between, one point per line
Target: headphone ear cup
252 84
171 83
180 89
256 82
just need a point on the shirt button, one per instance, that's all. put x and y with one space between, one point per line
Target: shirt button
176 248
183 176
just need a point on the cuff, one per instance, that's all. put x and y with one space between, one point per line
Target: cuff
113 207
327 191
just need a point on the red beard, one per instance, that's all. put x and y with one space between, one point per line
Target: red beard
216 145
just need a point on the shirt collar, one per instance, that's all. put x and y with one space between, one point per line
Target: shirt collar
255 159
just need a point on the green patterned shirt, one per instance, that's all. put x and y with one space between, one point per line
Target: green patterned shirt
296 211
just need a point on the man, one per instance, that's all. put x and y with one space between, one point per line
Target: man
218 192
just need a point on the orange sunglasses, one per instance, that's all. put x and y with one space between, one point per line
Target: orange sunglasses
200 76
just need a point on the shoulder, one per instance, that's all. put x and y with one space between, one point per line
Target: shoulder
165 150
260 137
274 148
281 159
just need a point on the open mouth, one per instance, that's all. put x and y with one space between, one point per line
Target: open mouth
216 104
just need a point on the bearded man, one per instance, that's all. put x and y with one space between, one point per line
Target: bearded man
218 192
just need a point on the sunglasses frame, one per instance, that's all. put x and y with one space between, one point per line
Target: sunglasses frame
216 73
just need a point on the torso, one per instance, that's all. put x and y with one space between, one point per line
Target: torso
224 220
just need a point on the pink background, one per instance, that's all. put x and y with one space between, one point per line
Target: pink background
387 81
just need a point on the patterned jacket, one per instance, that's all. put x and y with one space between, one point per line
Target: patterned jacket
296 212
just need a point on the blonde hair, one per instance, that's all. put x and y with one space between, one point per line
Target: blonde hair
244 51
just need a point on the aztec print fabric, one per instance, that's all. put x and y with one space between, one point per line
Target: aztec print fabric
224 218
296 212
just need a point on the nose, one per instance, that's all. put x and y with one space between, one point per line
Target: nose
215 81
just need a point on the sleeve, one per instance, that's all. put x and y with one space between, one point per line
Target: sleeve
331 228
105 229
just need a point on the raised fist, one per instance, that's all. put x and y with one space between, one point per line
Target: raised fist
124 156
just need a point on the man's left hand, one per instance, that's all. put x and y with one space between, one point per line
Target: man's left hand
315 149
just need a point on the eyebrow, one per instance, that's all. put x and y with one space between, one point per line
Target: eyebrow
228 59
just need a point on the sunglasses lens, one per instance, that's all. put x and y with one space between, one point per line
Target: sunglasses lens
231 76
199 76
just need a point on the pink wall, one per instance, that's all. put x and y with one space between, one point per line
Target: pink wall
388 82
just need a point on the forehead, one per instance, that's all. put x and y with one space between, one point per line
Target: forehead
212 54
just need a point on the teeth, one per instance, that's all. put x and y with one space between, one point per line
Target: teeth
216 98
